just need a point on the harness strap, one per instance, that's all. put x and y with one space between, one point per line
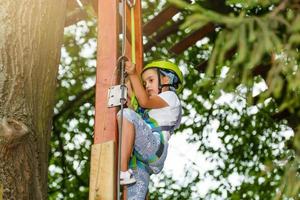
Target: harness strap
136 159
163 128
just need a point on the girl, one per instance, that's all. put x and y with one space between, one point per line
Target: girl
147 129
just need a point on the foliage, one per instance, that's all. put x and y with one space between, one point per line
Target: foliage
253 148
74 115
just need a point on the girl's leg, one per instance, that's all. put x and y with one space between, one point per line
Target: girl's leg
127 143
139 190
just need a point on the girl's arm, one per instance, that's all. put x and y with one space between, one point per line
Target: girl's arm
129 92
144 100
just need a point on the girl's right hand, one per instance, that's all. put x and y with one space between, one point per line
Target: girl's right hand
130 68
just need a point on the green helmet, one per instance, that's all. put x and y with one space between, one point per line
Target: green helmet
167 65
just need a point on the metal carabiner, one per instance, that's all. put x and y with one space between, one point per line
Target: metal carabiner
131 3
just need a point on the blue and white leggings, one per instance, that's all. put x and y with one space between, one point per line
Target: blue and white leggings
146 144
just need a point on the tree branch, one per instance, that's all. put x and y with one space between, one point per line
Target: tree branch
279 8
78 101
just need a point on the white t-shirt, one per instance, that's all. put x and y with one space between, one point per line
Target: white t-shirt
169 115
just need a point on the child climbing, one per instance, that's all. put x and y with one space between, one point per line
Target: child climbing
148 126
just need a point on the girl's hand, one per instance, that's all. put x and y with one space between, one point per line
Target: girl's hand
130 68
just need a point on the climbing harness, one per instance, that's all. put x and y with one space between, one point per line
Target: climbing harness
136 159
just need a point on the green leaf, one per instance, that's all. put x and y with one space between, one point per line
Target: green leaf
265 34
256 54
180 3
277 45
295 27
242 46
194 21
212 60
294 39
251 32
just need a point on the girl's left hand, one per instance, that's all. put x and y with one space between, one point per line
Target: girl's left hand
130 68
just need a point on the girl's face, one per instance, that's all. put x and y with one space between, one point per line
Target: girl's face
150 81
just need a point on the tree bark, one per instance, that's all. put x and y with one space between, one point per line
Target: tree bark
31 33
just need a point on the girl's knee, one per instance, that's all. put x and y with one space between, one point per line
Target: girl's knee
127 114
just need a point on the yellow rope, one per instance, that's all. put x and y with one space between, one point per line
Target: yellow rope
132 36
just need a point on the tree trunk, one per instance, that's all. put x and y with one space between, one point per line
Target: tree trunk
31 33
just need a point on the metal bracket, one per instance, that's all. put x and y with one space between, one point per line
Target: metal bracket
115 97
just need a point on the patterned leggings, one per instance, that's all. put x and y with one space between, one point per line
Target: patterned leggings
146 144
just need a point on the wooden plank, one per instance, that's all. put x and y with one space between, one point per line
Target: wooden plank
105 118
102 185
202 66
92 3
75 16
192 38
159 20
74 13
163 34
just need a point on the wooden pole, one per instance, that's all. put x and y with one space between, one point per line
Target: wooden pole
103 173
103 158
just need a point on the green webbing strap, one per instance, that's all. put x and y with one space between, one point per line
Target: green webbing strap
136 159
132 36
133 102
131 4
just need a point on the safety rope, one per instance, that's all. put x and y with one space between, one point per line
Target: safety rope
121 62
120 125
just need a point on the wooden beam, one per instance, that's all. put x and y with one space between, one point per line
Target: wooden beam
93 3
103 171
107 54
202 66
75 13
192 38
105 118
163 34
159 20
75 16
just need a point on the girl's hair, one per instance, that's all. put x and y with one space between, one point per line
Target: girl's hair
174 80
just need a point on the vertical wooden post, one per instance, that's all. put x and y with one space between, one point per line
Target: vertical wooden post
103 158
103 173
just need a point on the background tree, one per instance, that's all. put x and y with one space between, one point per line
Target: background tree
250 44
31 34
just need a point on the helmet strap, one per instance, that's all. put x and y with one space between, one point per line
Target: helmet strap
159 81
160 86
